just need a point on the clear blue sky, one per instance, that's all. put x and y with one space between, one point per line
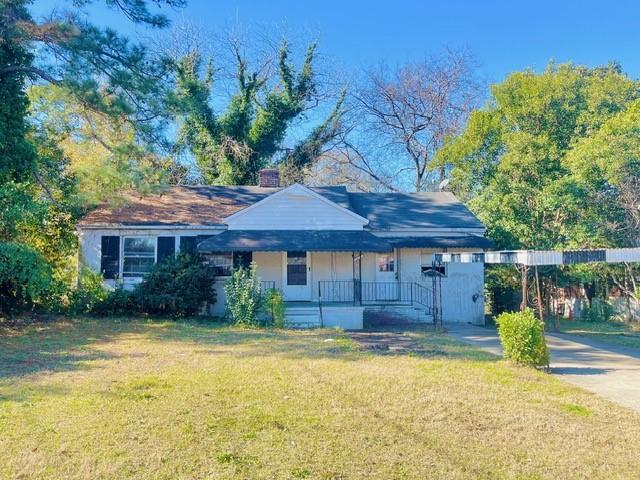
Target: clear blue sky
503 35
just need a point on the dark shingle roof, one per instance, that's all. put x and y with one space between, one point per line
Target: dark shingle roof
459 241
210 205
390 211
293 240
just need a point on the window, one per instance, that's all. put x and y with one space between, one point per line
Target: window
432 271
139 255
222 263
296 268
386 262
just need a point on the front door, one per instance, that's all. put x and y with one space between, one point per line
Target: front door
386 283
296 269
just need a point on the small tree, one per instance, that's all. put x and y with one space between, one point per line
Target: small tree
522 338
243 296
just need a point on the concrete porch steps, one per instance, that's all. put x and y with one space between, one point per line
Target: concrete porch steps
306 316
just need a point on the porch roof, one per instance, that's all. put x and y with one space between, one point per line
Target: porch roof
294 240
459 241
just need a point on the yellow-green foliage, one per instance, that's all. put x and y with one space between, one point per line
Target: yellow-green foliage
274 305
522 338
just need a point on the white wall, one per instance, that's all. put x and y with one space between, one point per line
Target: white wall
462 288
295 209
463 282
89 242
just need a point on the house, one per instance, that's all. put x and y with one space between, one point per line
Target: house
333 253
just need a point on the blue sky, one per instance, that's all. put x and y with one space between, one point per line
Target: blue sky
503 35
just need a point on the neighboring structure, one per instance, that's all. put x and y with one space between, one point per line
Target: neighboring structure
332 253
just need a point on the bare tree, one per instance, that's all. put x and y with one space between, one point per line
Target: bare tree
407 113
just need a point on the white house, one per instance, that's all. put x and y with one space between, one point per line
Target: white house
333 253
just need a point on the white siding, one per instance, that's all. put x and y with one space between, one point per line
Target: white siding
295 209
89 240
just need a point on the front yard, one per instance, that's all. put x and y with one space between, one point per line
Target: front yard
136 399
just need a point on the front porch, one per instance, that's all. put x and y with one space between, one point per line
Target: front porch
325 279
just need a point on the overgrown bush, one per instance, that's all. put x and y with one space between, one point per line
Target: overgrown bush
600 311
522 338
117 302
89 293
274 306
243 296
25 278
179 286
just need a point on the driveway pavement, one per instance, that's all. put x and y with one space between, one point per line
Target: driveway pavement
610 371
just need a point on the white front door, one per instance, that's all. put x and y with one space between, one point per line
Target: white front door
386 282
296 285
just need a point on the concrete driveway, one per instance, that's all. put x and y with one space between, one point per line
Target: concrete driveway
610 371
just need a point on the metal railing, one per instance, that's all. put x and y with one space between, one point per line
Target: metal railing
266 285
376 293
338 291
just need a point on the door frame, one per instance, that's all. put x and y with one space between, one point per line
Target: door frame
296 293
384 290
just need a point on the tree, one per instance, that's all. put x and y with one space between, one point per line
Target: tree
102 152
409 112
231 147
550 161
512 164
100 70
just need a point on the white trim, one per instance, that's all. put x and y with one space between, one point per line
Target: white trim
296 188
121 267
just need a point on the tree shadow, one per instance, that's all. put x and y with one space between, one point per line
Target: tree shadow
579 370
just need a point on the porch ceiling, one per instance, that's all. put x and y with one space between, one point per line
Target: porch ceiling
294 240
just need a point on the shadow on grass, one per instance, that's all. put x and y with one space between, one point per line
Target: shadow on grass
74 344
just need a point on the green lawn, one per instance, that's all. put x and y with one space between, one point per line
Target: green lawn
106 399
618 333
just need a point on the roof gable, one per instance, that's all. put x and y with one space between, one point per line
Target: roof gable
295 208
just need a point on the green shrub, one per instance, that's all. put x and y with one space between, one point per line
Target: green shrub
179 286
25 278
274 306
522 338
600 311
117 302
89 293
243 296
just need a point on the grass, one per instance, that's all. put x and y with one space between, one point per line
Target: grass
617 333
107 399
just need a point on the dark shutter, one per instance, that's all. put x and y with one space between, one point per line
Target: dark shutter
110 256
188 245
242 259
166 247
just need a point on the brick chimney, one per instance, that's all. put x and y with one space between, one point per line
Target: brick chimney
269 177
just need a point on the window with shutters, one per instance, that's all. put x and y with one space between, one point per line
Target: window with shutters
222 263
138 256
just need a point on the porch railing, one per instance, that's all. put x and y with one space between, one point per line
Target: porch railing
376 293
266 285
